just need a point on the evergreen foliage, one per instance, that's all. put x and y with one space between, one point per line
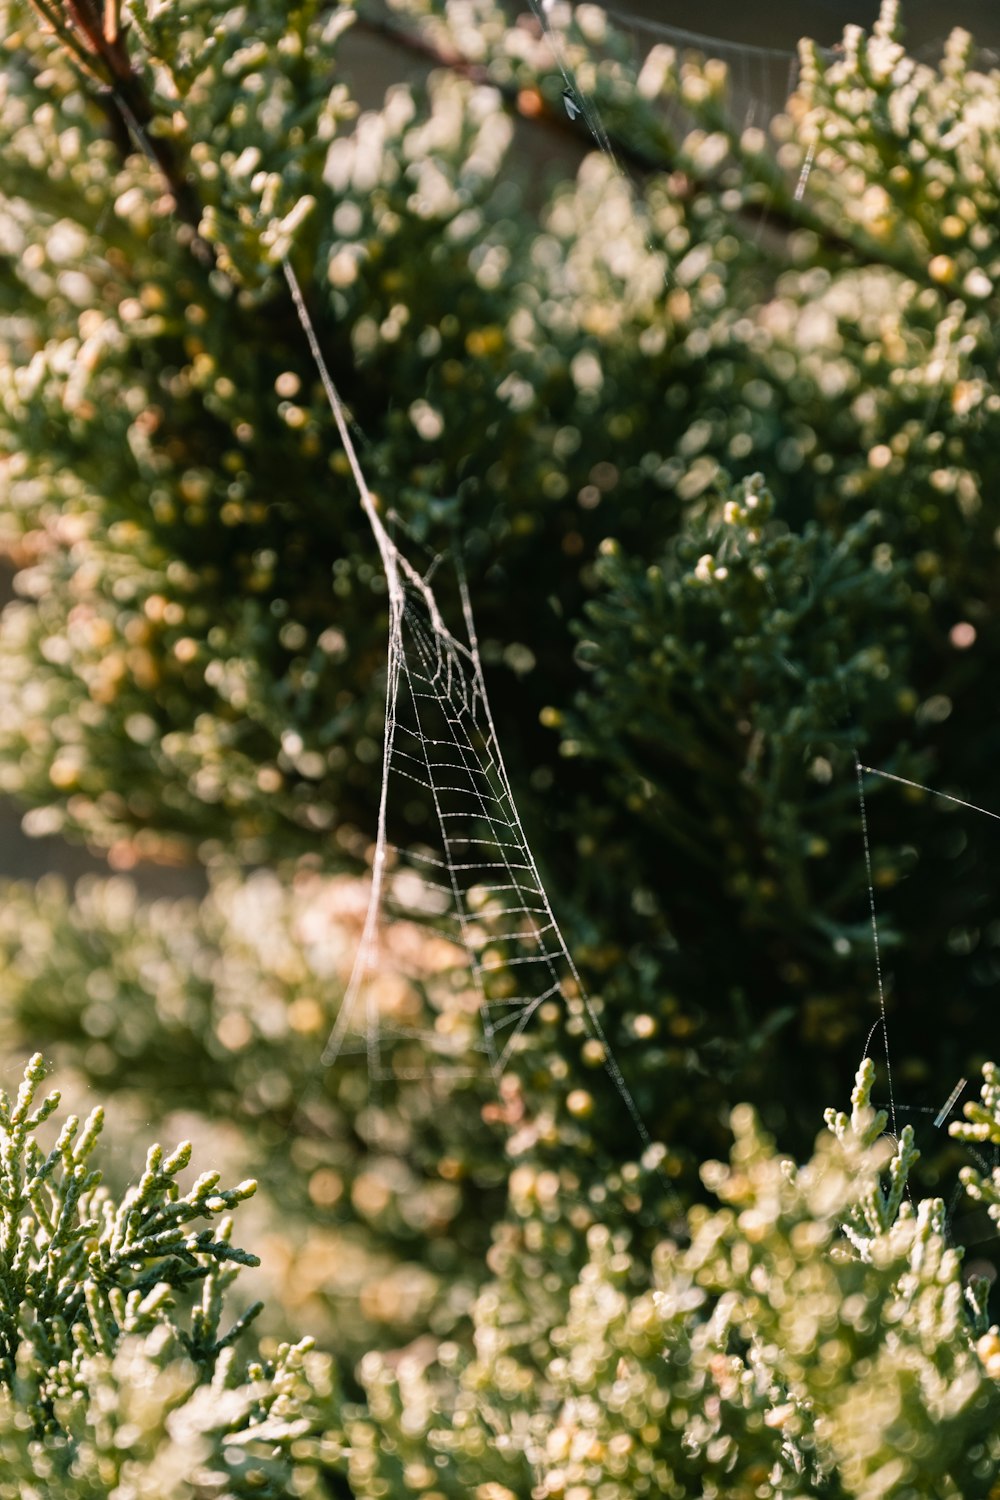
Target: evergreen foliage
732 453
178 674
104 1381
766 1358
219 1008
810 1335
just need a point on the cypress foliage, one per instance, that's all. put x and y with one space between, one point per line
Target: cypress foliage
726 448
107 1379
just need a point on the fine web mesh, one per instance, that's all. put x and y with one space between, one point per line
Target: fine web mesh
440 742
451 848
759 80
969 1225
450 851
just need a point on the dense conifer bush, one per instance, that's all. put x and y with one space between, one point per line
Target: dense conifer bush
720 458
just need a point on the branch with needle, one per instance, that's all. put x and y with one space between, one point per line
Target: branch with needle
94 37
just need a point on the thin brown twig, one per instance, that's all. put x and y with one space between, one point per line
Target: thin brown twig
91 33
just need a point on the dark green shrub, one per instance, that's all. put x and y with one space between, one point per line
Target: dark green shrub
180 670
193 669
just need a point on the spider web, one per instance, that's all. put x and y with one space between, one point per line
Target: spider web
758 82
439 739
476 869
450 851
971 1228
475 877
759 78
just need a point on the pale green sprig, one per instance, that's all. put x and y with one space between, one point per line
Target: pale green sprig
153 1212
78 1271
881 1202
981 1125
977 1301
864 1124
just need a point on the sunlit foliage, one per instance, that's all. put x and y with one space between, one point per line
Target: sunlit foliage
715 426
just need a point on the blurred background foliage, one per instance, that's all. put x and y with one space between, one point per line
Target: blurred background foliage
575 381
213 1015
